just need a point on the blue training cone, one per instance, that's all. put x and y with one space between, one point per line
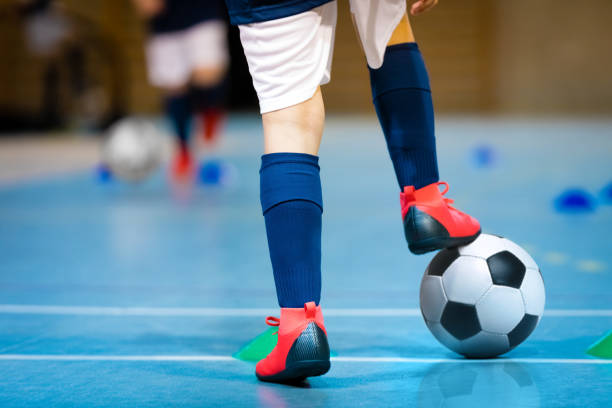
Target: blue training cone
575 200
103 173
210 172
483 156
217 173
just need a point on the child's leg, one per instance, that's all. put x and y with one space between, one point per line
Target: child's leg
209 105
402 98
177 106
169 70
178 110
209 94
291 199
288 59
209 55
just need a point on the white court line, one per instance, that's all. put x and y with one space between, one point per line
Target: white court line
403 360
473 361
89 357
243 312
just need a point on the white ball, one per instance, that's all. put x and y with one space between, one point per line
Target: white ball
483 299
133 150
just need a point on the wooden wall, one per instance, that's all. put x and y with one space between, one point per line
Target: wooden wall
554 56
498 56
457 47
113 21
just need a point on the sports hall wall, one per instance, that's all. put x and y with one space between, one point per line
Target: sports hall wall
492 56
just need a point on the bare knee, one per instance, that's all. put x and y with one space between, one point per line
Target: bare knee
297 128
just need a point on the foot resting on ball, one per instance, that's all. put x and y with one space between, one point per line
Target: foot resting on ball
430 223
302 349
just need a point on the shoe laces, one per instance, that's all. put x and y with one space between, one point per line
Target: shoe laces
273 321
448 201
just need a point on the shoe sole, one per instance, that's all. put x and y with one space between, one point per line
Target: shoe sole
298 372
437 243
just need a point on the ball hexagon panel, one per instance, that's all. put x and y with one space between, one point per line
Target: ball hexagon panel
520 253
500 309
466 280
533 292
441 261
484 246
523 329
485 344
506 269
432 298
460 320
444 336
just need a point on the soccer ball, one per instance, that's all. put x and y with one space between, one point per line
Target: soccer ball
483 299
133 150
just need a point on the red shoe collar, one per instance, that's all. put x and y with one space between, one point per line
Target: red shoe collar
293 317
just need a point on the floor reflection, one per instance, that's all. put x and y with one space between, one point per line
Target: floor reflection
505 384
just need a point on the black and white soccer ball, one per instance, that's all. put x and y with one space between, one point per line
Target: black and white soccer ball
483 299
133 150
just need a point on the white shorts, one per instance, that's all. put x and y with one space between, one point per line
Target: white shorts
290 57
172 57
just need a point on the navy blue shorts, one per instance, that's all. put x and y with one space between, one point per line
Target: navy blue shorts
253 11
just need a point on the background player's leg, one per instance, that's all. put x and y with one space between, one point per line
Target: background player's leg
208 49
209 93
177 105
173 80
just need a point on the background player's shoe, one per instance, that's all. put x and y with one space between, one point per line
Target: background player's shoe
302 349
183 167
212 120
430 223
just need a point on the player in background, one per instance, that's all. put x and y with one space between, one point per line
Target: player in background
187 57
288 46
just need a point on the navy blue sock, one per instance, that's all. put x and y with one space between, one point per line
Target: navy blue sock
402 98
178 109
292 205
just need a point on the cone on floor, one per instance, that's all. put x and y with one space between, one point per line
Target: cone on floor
260 347
602 348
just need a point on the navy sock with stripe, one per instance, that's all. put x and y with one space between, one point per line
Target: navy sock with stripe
292 205
402 98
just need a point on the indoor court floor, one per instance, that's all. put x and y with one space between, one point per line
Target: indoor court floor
138 296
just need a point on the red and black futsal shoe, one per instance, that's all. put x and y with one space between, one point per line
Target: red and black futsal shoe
302 349
430 223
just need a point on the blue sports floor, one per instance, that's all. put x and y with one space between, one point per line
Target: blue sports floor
119 296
